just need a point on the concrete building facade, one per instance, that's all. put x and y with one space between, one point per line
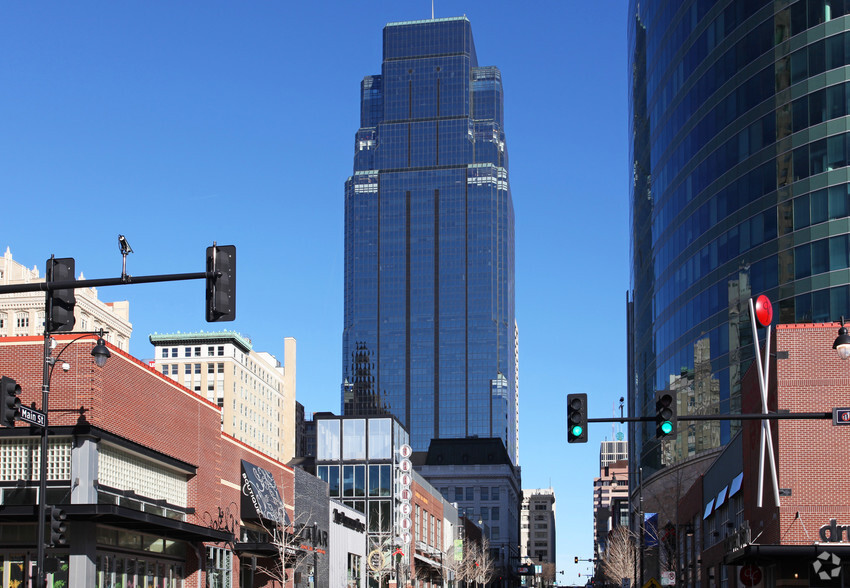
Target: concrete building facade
256 393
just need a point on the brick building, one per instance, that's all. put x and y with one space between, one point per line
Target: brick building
722 537
153 490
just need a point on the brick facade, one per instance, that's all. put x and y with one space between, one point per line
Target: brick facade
135 403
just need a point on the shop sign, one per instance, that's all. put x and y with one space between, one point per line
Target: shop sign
833 533
260 496
340 518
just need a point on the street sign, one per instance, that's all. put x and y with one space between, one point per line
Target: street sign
652 583
33 416
668 578
841 416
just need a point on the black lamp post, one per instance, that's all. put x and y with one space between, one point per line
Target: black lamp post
100 354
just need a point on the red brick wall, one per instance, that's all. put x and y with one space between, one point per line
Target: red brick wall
133 401
812 453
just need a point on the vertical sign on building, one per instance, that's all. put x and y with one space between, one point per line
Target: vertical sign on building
404 508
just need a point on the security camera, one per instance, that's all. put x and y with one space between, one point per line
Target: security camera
66 366
124 245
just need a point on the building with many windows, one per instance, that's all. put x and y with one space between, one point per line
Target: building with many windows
22 314
429 333
610 502
739 186
537 530
477 475
361 461
254 391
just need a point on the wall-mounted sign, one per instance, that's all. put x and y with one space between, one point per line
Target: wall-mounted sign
833 533
260 497
405 451
340 518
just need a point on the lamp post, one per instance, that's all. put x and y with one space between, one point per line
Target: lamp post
842 342
100 354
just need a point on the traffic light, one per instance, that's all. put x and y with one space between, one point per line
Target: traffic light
576 559
221 283
60 302
9 401
577 418
58 527
665 414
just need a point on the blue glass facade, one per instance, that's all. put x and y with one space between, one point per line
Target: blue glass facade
429 333
739 152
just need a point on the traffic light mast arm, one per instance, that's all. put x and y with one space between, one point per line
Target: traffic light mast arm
67 284
771 416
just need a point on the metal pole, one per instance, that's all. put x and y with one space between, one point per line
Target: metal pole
41 578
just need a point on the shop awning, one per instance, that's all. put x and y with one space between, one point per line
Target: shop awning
123 518
810 552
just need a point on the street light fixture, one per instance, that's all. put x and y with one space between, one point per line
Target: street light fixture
100 354
842 342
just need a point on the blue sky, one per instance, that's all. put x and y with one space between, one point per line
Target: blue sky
180 123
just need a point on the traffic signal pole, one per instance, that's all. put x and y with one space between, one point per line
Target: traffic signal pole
771 416
221 296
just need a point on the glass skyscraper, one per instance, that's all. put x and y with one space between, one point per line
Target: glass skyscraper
429 333
739 153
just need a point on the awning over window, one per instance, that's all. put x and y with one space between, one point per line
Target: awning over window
721 497
735 486
708 508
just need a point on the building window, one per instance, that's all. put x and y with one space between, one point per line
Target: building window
219 567
197 352
380 437
327 434
353 439
470 493
458 493
188 369
495 514
221 368
22 321
165 352
221 350
494 493
353 480
174 369
380 480
380 520
210 351
485 493
197 368
165 369
353 571
210 368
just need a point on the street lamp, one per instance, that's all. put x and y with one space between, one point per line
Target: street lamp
842 342
100 354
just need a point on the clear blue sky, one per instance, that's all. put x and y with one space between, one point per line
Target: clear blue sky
180 123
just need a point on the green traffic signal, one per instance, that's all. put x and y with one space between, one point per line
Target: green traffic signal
666 427
577 431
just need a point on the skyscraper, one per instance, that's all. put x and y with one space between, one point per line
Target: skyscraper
429 333
739 154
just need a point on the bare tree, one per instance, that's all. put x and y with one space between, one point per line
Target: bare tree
381 562
547 573
619 559
290 540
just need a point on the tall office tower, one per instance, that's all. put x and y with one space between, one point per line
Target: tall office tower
429 333
739 154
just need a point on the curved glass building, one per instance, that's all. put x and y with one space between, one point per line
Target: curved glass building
739 153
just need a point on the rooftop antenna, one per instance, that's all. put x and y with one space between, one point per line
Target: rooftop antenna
432 9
